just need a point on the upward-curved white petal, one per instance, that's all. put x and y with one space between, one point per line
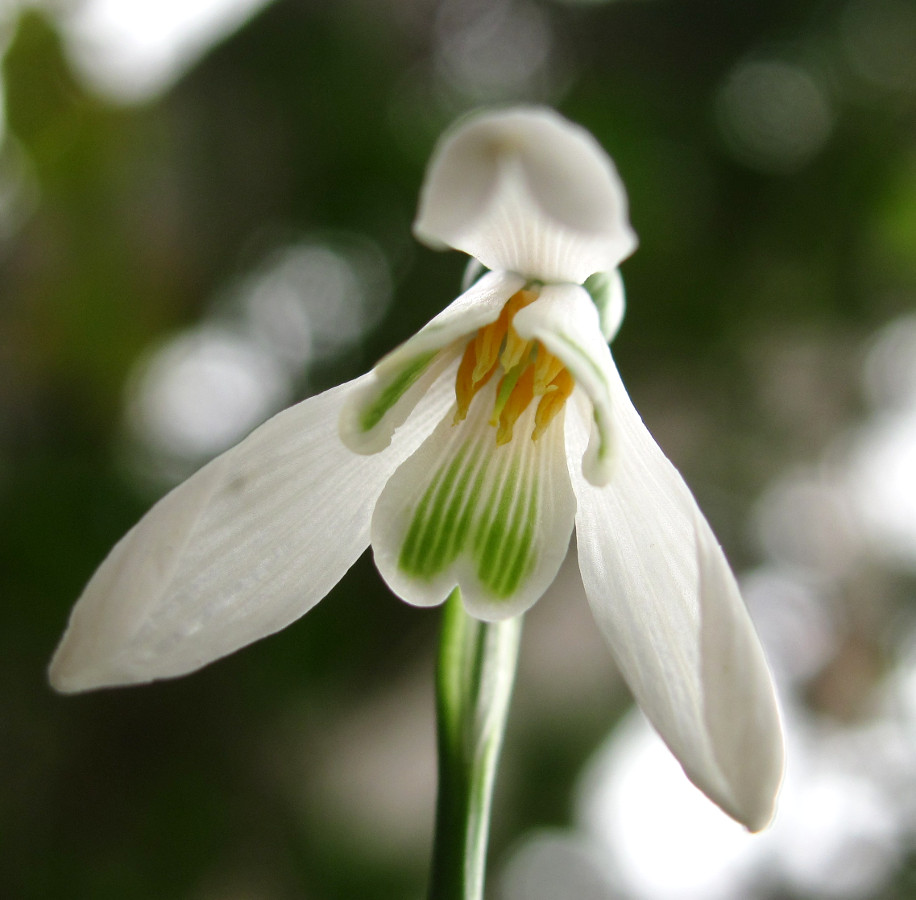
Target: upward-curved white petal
527 191
241 549
668 605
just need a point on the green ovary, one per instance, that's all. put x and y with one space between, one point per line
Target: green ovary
462 512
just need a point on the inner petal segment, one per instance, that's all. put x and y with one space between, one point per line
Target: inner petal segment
492 519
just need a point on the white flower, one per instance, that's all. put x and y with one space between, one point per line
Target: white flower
467 457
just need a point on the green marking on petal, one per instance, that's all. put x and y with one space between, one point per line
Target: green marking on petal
415 554
394 390
456 524
454 516
605 445
432 540
601 288
503 550
582 354
517 557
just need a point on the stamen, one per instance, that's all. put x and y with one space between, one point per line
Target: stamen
488 343
515 350
519 300
515 405
503 392
552 402
530 371
546 368
489 340
466 385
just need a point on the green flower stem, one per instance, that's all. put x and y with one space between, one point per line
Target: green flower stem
477 662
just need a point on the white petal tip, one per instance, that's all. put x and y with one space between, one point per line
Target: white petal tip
742 711
81 663
756 824
66 677
70 684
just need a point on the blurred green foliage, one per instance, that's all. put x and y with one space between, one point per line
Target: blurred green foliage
130 220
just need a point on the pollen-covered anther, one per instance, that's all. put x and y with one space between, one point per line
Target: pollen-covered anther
552 401
520 395
493 344
467 383
486 345
530 371
515 350
546 369
496 339
519 300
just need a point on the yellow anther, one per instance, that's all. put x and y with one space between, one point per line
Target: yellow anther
529 371
552 402
515 350
516 403
487 344
517 301
466 382
491 339
546 368
503 391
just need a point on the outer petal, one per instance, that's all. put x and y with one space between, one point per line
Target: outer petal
371 414
527 191
566 321
494 520
241 549
668 605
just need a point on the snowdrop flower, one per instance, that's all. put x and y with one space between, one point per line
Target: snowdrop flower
466 458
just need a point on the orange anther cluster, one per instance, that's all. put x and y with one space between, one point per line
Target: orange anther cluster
483 353
529 371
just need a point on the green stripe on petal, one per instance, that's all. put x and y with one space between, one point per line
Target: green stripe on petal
455 516
393 390
434 537
503 546
514 559
607 293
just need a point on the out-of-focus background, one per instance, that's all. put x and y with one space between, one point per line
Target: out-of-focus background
204 216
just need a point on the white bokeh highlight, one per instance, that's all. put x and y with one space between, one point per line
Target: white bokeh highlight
204 389
881 458
201 392
131 50
774 115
